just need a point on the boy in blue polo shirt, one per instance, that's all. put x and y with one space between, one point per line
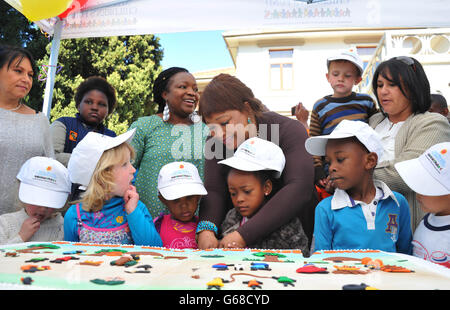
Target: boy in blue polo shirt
363 213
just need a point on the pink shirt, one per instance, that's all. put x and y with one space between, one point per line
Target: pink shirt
178 235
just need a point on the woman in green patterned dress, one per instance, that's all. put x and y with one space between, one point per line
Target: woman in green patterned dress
175 133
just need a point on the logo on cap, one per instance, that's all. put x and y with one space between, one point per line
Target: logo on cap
437 161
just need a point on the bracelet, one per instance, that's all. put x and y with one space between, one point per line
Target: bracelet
206 225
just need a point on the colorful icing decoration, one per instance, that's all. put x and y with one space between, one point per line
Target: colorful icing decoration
253 283
358 287
216 283
349 270
309 268
372 264
391 268
33 268
109 281
260 266
63 259
36 260
91 263
26 280
220 267
285 281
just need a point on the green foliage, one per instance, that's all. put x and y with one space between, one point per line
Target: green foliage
129 63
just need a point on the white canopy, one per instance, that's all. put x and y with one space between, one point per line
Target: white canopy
101 18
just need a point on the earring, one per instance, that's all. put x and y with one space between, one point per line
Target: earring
166 113
249 121
195 118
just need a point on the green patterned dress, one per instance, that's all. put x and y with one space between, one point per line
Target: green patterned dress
158 143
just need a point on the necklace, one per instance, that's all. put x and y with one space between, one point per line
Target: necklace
16 108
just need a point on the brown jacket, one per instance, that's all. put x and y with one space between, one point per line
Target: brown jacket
296 196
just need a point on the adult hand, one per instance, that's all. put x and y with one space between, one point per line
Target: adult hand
29 227
232 240
131 199
206 239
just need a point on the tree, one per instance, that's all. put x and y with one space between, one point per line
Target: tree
129 63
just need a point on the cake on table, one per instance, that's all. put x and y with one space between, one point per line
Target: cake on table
74 266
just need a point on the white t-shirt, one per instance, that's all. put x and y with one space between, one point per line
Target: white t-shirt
387 132
431 239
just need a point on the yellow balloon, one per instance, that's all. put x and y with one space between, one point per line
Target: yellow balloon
37 10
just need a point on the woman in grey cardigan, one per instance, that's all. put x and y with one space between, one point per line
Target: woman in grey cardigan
24 133
406 127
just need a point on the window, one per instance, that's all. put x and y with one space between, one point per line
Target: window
366 53
281 69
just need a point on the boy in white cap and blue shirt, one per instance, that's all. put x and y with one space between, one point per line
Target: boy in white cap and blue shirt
429 176
180 189
252 180
44 188
344 72
363 213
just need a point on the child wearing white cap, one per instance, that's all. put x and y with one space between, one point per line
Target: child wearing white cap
363 213
255 168
44 188
109 210
429 176
180 189
344 72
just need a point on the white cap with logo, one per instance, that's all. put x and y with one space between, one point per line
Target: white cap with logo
349 56
180 179
256 154
87 153
346 129
44 182
428 174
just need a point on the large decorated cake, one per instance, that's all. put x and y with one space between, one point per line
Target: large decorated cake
65 265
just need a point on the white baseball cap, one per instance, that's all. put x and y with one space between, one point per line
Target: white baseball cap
349 56
428 174
346 129
256 154
44 182
180 179
88 151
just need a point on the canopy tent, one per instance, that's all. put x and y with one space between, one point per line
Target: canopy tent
101 18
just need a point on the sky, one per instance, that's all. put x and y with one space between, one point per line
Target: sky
195 51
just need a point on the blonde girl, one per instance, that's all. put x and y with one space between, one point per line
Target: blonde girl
109 210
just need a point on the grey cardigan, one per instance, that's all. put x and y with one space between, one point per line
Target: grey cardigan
22 136
417 134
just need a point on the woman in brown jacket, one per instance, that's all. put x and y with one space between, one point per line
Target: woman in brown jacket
233 114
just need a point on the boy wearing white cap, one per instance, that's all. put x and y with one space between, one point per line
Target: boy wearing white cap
44 188
344 72
363 213
180 189
429 176
252 179
109 210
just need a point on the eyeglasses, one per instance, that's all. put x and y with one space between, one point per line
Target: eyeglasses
407 61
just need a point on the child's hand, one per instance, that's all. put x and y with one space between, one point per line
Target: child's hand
327 184
232 240
131 199
29 227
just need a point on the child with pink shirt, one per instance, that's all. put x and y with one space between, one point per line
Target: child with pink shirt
180 190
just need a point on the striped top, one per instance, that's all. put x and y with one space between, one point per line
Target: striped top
328 112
